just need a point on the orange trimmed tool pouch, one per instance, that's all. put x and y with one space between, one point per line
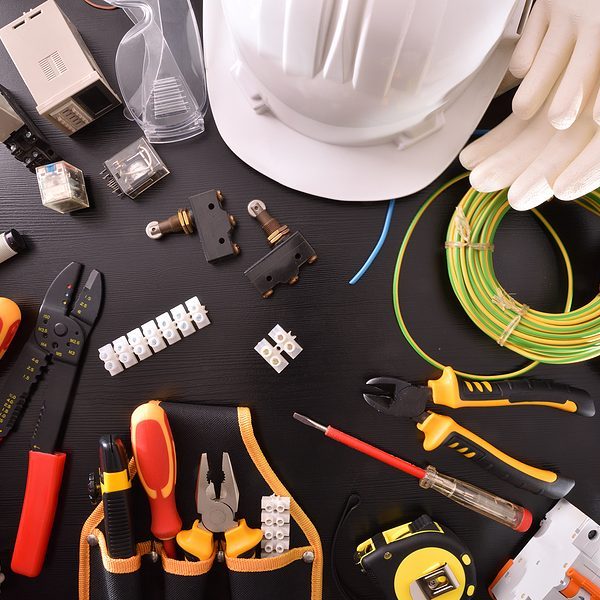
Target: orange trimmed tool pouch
293 575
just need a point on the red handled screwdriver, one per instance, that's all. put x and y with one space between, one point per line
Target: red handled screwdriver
512 515
154 452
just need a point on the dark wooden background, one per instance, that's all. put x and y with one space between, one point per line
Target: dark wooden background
348 333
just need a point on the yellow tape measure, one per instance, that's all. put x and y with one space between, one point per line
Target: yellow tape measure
419 560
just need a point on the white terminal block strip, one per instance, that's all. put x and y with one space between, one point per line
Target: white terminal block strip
154 336
562 560
275 525
284 342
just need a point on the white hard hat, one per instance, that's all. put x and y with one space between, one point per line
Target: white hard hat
354 99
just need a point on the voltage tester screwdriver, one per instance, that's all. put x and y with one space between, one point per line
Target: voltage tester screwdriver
154 452
492 506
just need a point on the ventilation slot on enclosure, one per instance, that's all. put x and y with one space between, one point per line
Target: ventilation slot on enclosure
52 66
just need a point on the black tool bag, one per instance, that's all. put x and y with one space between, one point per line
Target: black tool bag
293 575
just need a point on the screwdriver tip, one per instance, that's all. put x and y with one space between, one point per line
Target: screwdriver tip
309 422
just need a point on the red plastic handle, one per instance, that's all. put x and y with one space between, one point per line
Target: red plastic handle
373 452
44 476
154 452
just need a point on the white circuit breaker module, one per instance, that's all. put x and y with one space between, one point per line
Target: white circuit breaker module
562 560
284 342
154 336
275 525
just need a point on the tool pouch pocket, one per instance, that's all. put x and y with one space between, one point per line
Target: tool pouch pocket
185 580
151 575
114 578
287 575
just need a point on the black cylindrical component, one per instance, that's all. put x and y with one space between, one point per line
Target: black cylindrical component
11 243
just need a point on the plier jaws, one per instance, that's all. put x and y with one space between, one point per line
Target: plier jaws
217 499
217 509
396 397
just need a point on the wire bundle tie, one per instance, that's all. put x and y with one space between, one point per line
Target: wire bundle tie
464 231
506 302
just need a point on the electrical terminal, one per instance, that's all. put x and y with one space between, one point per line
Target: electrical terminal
284 342
275 525
154 336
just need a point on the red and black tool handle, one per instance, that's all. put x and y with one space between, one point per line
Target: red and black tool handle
441 430
44 476
451 391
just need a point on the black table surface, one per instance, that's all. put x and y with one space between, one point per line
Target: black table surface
348 333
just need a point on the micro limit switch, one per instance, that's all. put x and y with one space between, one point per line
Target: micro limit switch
282 264
207 215
134 169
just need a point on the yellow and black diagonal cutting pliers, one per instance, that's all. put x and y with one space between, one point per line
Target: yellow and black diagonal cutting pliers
400 398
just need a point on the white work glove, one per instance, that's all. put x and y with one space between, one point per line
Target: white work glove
535 160
550 144
560 40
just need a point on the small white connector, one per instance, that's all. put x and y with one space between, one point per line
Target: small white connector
284 342
198 313
139 344
110 359
275 525
168 328
154 336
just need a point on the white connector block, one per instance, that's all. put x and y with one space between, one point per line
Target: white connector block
183 320
124 352
168 328
139 344
275 525
272 356
284 342
110 359
198 312
154 336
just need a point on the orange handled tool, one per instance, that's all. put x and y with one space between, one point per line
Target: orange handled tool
154 452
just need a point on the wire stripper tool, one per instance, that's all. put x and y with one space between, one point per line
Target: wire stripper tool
217 509
399 398
54 351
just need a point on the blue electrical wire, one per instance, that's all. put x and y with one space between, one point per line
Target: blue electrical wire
378 246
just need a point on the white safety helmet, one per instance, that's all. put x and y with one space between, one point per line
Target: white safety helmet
355 99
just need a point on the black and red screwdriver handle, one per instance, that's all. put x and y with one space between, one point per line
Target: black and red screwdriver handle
44 476
453 392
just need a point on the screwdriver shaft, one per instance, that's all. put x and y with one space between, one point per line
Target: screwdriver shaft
489 505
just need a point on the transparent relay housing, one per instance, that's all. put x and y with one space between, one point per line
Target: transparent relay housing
134 169
62 187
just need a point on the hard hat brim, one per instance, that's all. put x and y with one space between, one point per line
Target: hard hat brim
350 173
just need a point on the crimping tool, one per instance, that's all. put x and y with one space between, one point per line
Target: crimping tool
54 351
399 398
217 509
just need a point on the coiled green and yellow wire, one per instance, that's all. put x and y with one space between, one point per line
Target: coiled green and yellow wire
555 338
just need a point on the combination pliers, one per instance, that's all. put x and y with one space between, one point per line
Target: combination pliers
400 398
217 499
